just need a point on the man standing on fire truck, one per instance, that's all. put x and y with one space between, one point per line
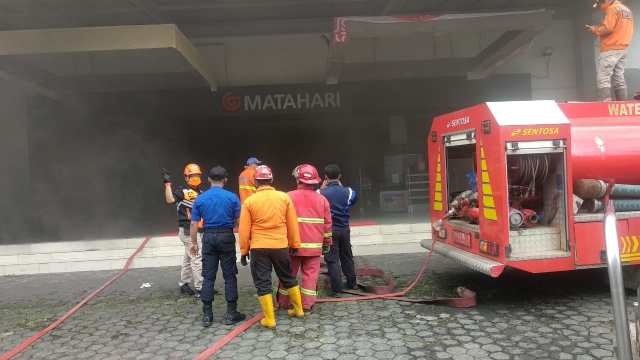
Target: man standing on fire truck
314 222
269 219
184 197
246 184
615 34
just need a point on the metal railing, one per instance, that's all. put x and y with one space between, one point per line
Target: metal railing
614 270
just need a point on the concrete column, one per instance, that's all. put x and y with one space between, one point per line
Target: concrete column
585 54
14 165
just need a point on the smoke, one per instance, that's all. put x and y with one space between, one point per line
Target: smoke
90 165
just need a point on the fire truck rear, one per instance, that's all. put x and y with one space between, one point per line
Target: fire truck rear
520 184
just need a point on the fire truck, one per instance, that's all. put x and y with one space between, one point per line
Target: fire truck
521 184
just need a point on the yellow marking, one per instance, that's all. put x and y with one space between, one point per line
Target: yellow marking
490 214
438 156
517 132
629 255
480 142
482 153
438 187
485 177
438 177
484 165
438 168
488 201
624 242
635 244
437 206
438 197
623 110
631 259
486 189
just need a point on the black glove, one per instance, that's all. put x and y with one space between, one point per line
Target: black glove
244 258
166 176
293 252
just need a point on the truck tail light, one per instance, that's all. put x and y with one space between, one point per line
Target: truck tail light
489 248
442 234
486 126
434 136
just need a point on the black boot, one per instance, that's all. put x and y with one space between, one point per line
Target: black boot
207 315
186 290
233 316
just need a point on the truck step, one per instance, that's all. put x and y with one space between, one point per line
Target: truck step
550 254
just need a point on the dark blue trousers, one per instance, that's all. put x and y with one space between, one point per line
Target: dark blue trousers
219 248
339 258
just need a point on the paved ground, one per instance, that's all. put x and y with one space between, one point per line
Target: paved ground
519 316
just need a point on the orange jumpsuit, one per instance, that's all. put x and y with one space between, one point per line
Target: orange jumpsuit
246 184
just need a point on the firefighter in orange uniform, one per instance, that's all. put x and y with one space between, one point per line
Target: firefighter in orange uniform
247 186
184 197
615 35
270 219
314 222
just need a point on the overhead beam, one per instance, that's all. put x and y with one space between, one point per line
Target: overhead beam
520 27
370 27
111 38
506 48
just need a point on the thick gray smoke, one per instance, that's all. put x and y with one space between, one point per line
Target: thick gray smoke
88 166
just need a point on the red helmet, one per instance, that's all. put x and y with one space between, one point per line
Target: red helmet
263 172
308 174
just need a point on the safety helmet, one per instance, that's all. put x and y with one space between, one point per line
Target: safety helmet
295 172
263 172
192 169
308 174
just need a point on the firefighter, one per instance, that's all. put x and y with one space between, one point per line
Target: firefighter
247 186
340 256
184 197
218 209
314 222
269 218
615 35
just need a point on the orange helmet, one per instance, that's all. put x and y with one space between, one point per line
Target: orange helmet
192 169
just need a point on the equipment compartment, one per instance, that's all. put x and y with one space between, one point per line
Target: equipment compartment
537 204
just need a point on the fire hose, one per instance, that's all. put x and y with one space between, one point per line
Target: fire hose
467 299
37 336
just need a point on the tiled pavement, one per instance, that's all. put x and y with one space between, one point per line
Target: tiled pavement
519 316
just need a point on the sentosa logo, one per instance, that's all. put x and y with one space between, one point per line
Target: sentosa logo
230 102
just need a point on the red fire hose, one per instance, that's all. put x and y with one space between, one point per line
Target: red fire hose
468 299
37 336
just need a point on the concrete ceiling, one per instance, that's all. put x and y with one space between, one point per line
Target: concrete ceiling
215 18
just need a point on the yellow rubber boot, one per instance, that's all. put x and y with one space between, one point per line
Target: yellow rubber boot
266 302
296 301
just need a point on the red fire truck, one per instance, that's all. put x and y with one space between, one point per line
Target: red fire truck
520 184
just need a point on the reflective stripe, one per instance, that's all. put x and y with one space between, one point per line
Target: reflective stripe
283 291
310 221
244 187
308 292
310 246
328 234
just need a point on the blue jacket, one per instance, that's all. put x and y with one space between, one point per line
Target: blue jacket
340 199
